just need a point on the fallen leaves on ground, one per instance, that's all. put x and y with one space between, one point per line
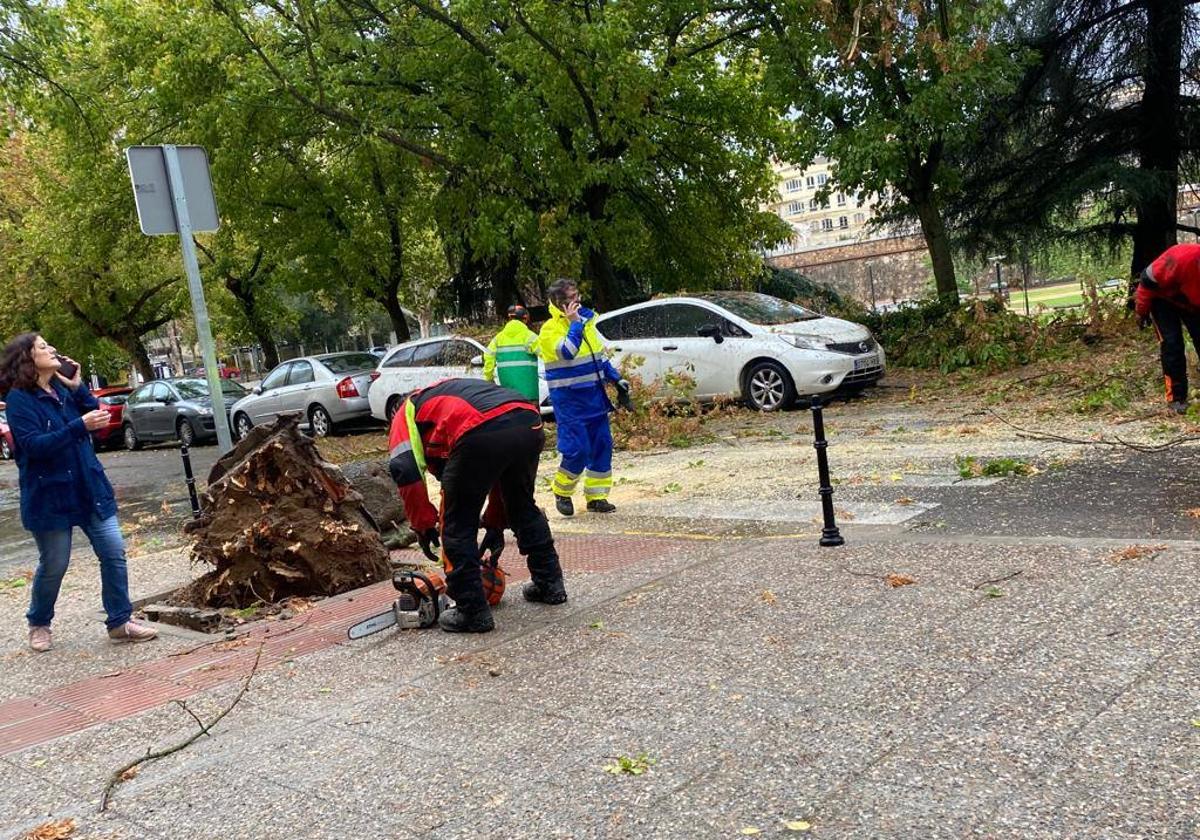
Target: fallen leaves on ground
52 830
905 500
797 825
131 773
1194 513
768 597
894 580
1135 552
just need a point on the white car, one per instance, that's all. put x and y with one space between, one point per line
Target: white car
420 363
751 346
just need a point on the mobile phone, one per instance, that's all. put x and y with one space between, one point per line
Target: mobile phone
67 368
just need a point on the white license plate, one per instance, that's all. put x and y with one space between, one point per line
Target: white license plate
866 362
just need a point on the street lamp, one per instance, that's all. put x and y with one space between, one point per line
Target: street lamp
997 259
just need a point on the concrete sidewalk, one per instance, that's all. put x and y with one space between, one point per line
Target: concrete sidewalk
761 681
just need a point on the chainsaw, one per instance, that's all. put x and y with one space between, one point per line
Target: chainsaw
422 599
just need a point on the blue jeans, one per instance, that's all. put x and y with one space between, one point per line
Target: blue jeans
54 550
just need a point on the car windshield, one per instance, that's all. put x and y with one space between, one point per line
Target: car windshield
191 389
349 362
760 309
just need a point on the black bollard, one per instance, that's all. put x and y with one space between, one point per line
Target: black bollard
830 536
191 480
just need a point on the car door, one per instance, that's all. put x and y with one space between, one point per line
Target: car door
137 410
635 339
424 368
713 367
292 397
265 406
156 412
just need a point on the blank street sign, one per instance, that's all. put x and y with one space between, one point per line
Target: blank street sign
152 189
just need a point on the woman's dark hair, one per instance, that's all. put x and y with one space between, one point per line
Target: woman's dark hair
557 291
16 367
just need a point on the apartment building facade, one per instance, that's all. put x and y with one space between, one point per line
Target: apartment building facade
838 219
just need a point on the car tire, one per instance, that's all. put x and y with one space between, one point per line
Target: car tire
130 437
393 405
241 426
769 387
5 450
186 432
319 421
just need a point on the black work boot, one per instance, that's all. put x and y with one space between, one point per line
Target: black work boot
546 592
455 620
564 505
601 506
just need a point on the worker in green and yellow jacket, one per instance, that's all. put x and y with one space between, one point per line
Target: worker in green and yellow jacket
511 357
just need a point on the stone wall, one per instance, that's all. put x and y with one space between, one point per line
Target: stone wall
897 268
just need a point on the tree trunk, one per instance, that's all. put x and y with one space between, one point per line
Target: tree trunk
396 313
933 228
1159 141
254 319
132 344
504 285
598 274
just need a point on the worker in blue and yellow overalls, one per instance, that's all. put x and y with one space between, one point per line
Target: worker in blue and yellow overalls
576 370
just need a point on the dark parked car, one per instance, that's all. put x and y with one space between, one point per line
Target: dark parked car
175 409
111 400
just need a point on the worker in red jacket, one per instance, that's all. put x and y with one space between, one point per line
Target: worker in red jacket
1168 293
474 436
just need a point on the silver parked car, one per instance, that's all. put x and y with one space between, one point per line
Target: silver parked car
325 390
174 409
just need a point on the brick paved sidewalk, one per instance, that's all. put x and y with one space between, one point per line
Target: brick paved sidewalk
29 721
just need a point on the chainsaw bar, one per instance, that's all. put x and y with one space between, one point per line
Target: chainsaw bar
373 624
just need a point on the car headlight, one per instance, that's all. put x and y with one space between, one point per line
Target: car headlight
804 342
204 411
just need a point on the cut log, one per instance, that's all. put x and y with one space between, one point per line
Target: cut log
278 521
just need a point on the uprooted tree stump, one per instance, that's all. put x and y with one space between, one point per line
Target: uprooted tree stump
279 521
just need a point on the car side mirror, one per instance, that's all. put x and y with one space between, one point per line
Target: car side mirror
712 331
477 361
167 400
256 390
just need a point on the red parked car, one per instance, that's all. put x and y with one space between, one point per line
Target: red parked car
111 400
6 440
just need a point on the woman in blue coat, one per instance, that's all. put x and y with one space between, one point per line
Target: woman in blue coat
51 417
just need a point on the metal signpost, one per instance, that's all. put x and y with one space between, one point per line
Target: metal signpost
174 194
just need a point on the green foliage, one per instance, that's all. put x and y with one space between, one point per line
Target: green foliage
969 466
623 765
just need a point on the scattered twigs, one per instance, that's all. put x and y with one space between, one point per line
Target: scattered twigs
121 773
1009 576
1033 434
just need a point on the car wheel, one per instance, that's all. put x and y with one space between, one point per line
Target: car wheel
769 387
319 421
5 450
131 439
242 425
186 432
393 405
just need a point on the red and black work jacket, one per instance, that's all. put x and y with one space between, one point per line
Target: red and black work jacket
427 428
1176 276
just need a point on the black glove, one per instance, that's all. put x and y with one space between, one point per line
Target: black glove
493 541
1143 321
429 540
623 397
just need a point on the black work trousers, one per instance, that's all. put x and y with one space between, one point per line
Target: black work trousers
502 452
1170 321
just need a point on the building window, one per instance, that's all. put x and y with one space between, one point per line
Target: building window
793 184
858 218
827 224
841 200
812 204
815 227
795 207
822 178
809 180
843 221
